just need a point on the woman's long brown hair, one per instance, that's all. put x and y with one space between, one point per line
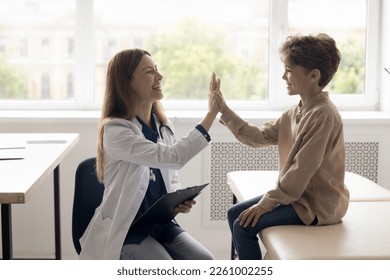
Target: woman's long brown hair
119 98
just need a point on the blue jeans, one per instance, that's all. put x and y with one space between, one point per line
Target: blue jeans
245 239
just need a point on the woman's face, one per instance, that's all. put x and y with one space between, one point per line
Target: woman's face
146 82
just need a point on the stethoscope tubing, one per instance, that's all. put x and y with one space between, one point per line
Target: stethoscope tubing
160 132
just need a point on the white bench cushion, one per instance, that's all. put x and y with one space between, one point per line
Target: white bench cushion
248 184
363 234
363 189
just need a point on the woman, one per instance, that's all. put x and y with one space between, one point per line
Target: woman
137 159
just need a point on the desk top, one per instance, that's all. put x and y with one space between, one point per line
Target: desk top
41 152
248 184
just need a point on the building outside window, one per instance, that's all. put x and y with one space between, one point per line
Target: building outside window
238 40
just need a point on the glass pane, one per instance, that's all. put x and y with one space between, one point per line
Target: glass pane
188 40
37 49
345 21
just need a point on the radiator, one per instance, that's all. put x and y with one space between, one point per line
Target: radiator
361 158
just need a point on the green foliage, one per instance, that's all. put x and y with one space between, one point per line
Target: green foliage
350 75
189 52
12 83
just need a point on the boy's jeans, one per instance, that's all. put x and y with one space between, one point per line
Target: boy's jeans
245 239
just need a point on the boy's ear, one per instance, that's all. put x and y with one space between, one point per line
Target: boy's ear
315 74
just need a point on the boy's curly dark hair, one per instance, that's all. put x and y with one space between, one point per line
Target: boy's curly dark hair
312 52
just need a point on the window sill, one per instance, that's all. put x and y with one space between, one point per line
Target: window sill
182 117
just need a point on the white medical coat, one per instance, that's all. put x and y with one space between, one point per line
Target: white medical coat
127 158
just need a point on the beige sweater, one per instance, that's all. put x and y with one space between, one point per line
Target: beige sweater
311 158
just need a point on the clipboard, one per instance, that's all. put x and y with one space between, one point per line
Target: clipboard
163 210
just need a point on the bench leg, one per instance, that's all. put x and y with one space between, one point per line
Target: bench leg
233 254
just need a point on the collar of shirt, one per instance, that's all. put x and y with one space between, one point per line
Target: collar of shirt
150 133
318 98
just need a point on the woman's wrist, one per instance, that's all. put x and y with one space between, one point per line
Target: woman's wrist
208 120
212 115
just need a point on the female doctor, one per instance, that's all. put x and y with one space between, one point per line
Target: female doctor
137 159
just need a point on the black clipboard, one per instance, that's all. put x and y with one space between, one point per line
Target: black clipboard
163 210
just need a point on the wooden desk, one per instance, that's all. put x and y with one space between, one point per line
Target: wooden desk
43 154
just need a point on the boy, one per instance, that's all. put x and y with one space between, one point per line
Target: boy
310 188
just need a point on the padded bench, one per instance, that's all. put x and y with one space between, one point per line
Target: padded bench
363 234
248 184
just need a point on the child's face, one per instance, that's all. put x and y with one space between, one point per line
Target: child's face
298 79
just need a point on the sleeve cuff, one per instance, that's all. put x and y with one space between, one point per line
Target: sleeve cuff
231 120
204 132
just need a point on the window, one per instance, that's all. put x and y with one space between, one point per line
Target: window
23 50
35 59
70 48
54 53
2 45
189 40
352 84
70 86
45 86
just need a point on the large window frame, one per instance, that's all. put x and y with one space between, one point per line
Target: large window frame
85 77
369 101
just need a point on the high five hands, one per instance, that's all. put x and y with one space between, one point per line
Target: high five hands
251 215
216 100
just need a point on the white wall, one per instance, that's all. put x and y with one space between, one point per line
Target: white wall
33 230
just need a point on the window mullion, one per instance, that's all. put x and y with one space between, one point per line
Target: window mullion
278 33
84 60
385 57
372 79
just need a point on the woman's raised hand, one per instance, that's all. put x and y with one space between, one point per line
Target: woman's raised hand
216 94
214 87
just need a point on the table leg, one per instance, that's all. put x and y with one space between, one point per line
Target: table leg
6 231
6 222
57 214
233 250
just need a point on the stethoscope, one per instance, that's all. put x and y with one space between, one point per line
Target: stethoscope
162 125
167 127
152 176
